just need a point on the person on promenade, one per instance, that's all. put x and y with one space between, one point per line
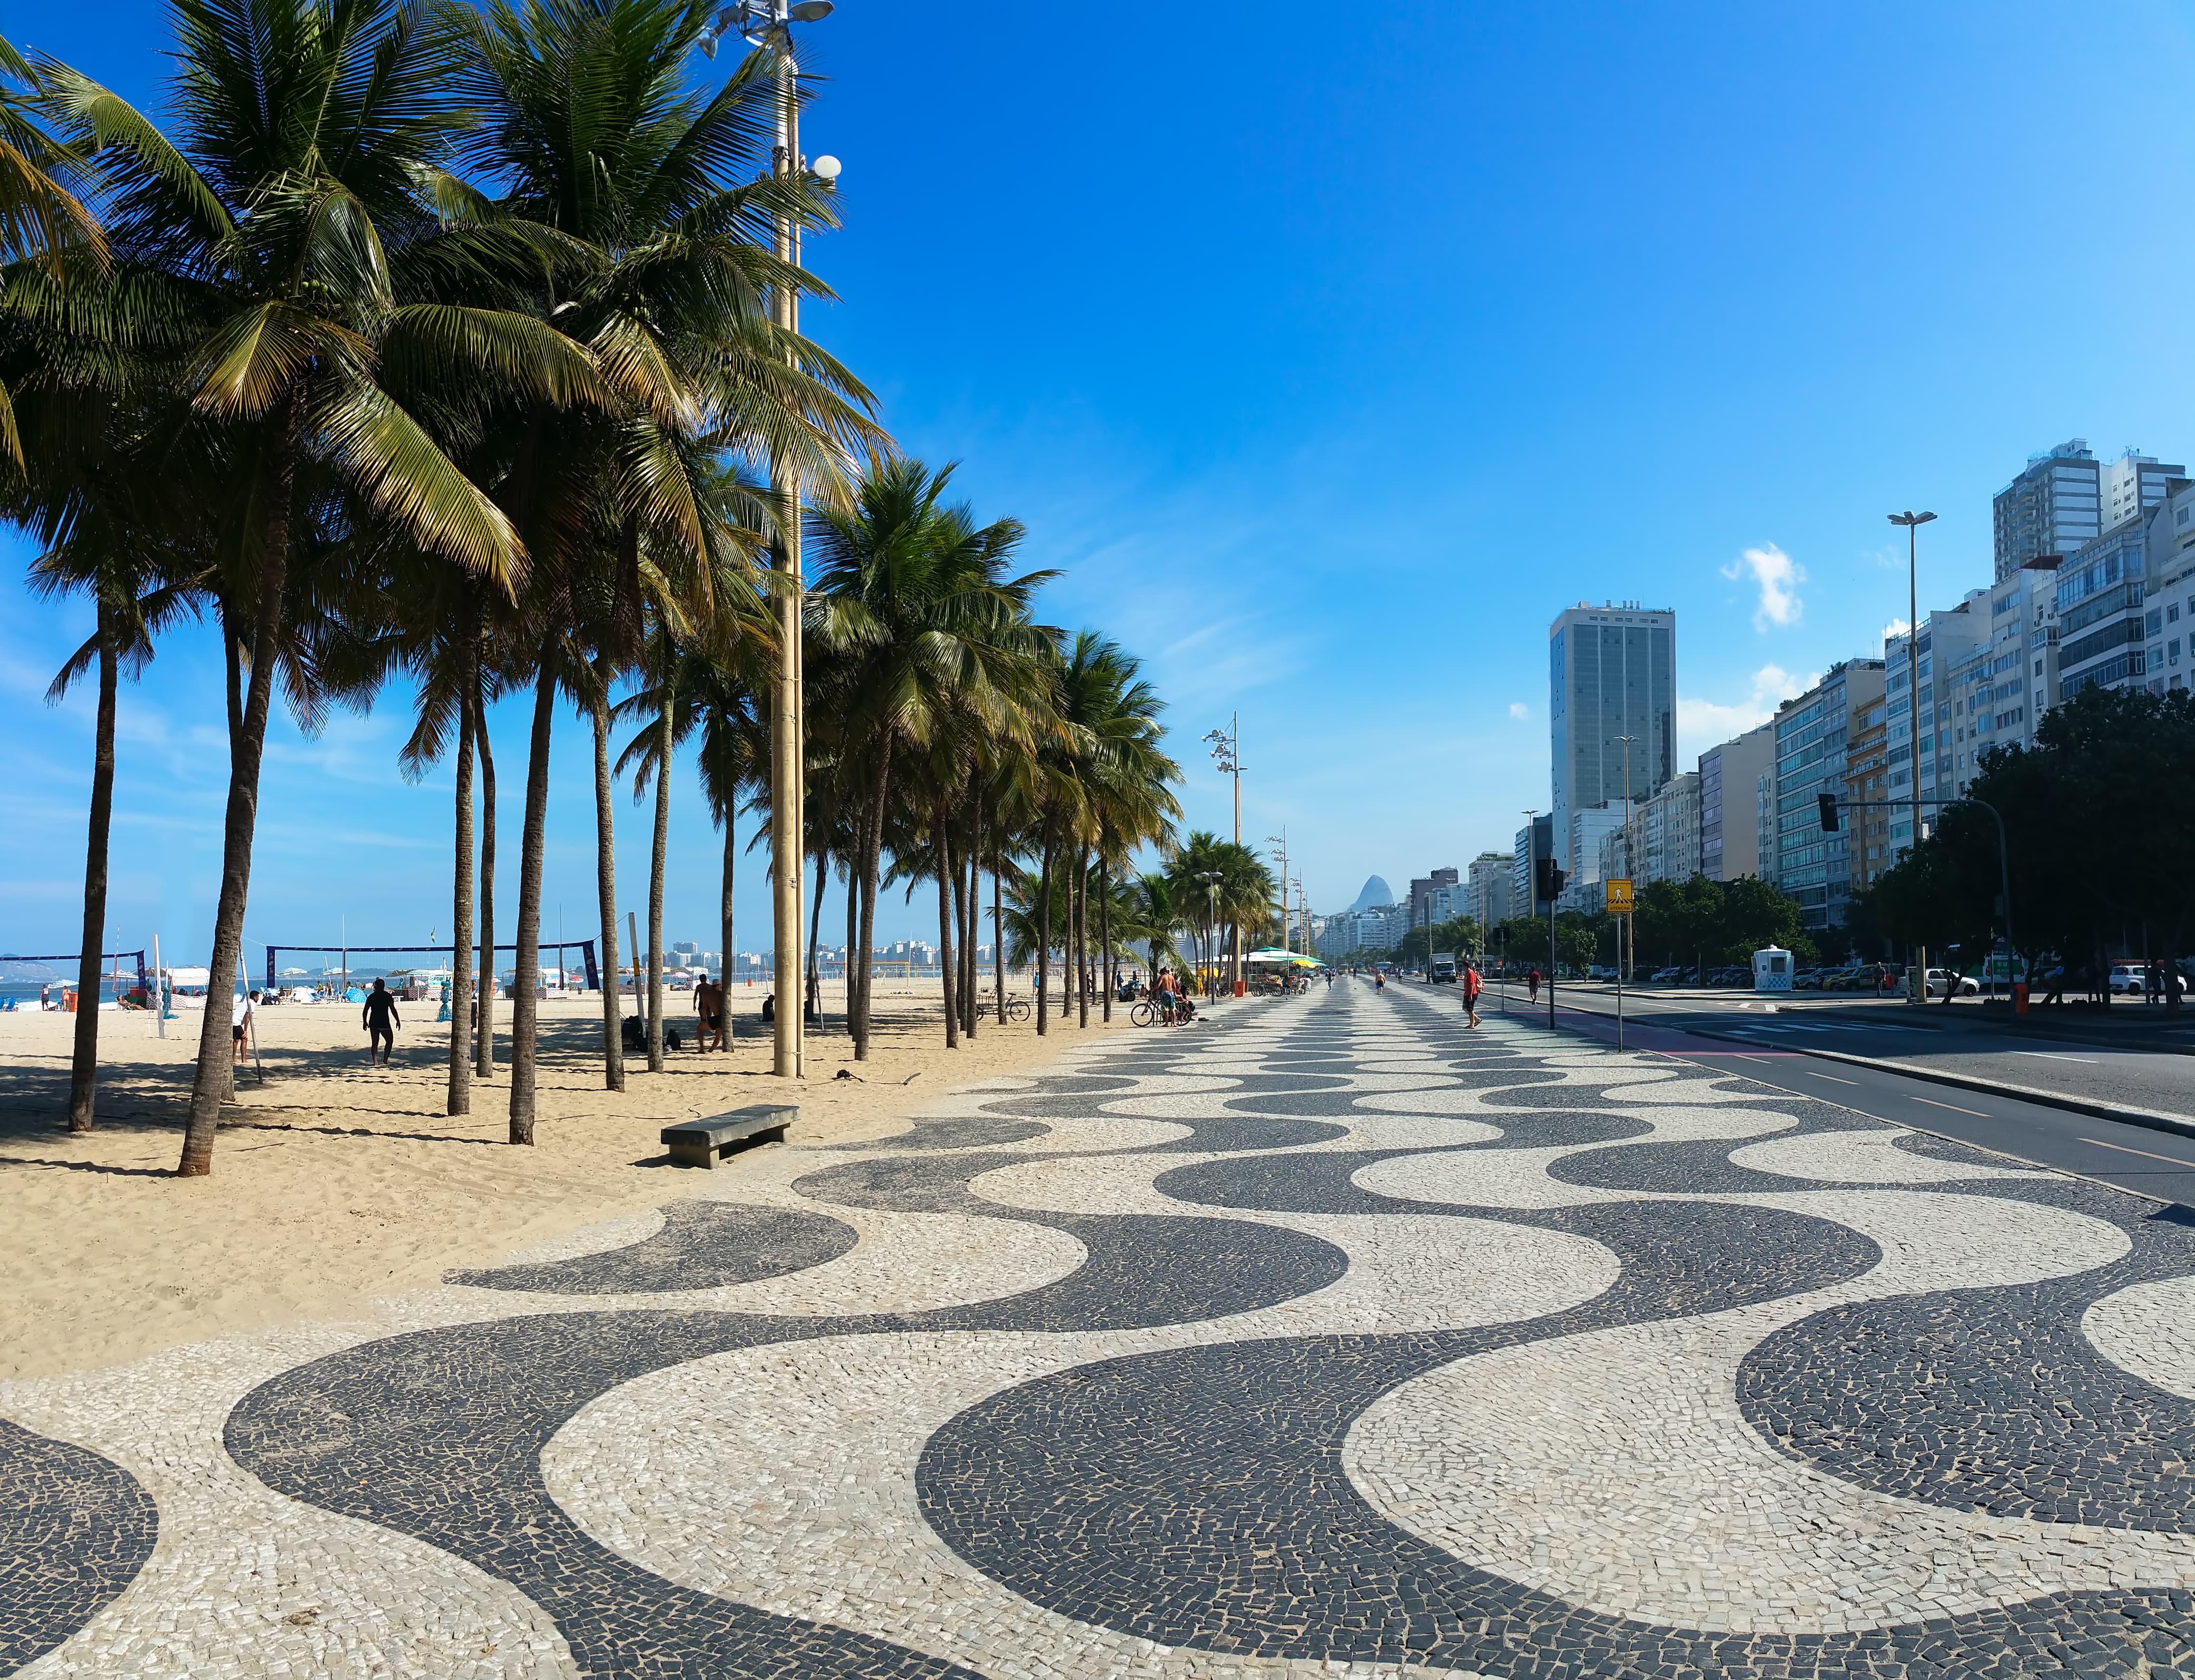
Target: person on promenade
1533 979
1378 980
380 1018
1472 986
240 1024
708 1005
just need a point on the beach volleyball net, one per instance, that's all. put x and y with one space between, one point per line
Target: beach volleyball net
547 952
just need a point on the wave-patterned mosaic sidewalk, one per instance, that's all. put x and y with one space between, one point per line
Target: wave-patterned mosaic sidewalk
1331 1337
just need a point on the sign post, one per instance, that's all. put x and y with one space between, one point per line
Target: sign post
1616 898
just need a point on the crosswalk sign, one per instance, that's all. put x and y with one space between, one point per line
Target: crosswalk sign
1618 892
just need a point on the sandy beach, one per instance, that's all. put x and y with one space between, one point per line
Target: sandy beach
333 1182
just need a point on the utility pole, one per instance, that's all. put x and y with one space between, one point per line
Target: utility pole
1913 522
767 24
1621 964
1226 750
1281 841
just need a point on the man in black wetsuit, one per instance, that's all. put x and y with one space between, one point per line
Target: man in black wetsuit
380 1018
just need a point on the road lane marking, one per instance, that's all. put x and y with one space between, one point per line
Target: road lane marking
2049 1055
1831 1078
2173 1160
1953 1107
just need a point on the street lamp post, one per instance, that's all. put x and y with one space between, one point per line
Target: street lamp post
1281 842
1226 752
767 24
1913 522
1623 926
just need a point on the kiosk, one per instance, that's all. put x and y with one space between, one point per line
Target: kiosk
1771 969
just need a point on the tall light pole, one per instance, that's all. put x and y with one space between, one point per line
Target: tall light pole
1621 928
1226 752
767 25
1281 841
1913 522
1210 878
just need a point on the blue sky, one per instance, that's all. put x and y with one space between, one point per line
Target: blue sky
1330 362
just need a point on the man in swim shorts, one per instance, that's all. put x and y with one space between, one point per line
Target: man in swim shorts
381 1019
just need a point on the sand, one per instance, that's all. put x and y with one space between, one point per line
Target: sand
333 1183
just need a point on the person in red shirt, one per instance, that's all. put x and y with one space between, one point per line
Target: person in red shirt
1472 986
1534 978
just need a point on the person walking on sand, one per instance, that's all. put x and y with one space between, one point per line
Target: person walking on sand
708 1005
380 1020
1472 986
240 1024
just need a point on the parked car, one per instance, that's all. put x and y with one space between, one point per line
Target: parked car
1806 979
1667 976
1600 971
2133 977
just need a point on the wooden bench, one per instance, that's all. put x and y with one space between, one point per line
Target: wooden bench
700 1142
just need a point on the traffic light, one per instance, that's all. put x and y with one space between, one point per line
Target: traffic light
1548 879
1827 801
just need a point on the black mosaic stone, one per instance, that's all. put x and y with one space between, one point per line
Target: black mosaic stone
74 1528
1991 1399
1195 1496
703 1245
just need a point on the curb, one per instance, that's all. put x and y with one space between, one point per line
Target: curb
2181 1125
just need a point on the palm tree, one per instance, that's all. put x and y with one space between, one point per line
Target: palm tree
89 495
304 131
630 202
920 622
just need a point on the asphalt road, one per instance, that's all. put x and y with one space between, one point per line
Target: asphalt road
2134 1157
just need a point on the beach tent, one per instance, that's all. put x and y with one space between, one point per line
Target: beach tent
1282 958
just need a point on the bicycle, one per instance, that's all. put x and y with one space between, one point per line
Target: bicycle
1017 1008
1143 1014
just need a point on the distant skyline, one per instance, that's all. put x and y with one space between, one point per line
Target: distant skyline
1332 364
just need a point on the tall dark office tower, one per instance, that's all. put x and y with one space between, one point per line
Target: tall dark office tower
1612 672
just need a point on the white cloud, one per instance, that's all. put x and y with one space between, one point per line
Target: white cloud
1895 627
1702 724
1778 577
1518 709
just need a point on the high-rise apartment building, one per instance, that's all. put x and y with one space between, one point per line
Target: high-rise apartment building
1812 734
1587 827
1612 672
2169 612
1666 836
2067 498
1537 839
2053 506
1730 838
2101 587
1489 888
1867 786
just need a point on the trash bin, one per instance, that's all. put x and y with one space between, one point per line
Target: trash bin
68 999
1241 986
2019 997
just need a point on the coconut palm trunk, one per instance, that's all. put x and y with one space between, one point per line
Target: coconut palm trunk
659 862
484 1029
947 874
459 1100
1082 935
247 746
1044 935
853 933
605 884
998 926
873 844
526 1001
967 882
84 1067
724 955
815 989
1105 933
